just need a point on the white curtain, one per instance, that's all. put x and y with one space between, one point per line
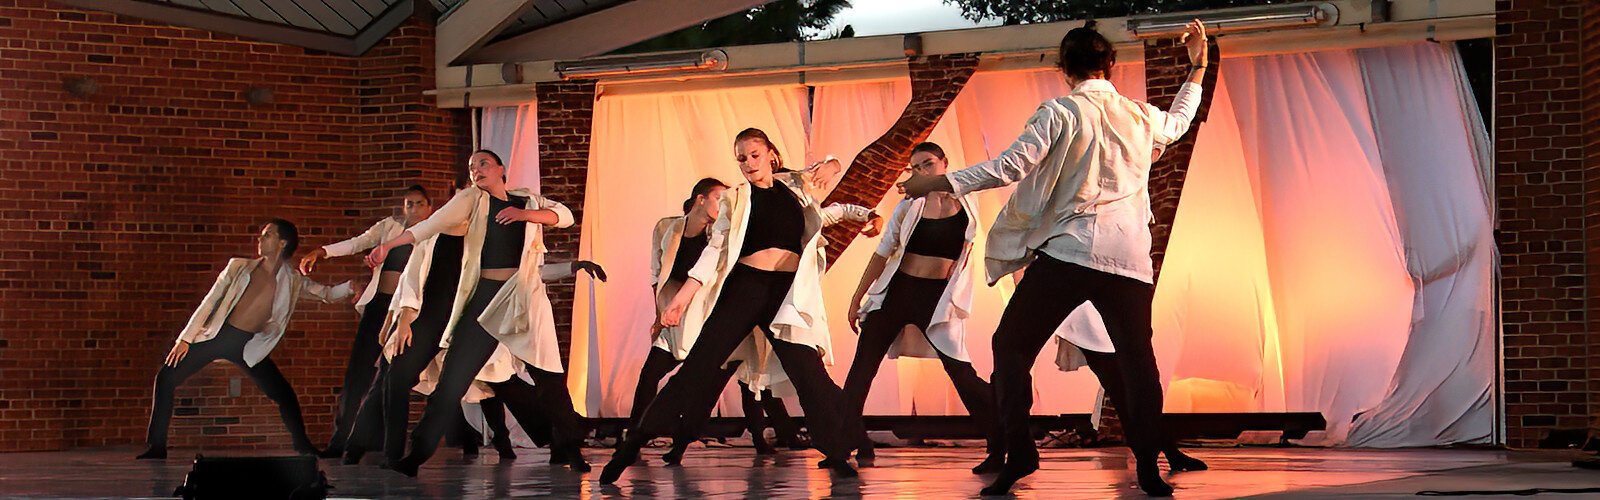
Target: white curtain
513 133
647 152
1318 212
1436 159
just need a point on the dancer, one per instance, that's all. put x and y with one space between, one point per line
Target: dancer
500 300
761 269
1079 223
920 277
361 367
240 320
677 243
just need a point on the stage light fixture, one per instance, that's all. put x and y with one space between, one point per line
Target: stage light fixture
1266 17
710 60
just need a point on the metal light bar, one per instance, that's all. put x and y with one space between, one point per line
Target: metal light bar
1304 15
710 60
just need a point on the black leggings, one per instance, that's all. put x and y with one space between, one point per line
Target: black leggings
750 299
660 362
470 348
360 369
1048 292
229 345
910 301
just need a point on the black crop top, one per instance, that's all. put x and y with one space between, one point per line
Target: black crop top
502 244
445 270
776 221
943 238
689 249
396 261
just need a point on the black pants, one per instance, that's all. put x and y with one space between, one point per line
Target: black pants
660 362
1048 292
543 409
910 301
361 369
750 299
385 410
228 345
470 348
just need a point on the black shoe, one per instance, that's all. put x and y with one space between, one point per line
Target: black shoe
405 466
674 456
353 456
330 452
1179 462
573 457
153 453
625 455
1150 479
994 463
1009 475
763 447
839 467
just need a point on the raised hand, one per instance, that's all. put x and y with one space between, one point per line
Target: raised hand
309 262
1194 38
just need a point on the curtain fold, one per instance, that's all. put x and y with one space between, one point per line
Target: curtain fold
1433 153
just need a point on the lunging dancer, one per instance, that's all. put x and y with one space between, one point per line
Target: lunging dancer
1079 222
677 243
761 268
241 319
361 368
920 277
500 299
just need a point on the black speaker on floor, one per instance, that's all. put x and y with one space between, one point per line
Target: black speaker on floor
274 478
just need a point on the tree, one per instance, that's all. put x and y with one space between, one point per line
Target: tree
1045 11
779 21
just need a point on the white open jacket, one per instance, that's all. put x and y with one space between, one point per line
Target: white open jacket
519 316
664 239
802 319
384 230
947 329
208 318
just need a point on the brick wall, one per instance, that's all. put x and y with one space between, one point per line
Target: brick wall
1540 183
935 83
1590 46
566 118
121 207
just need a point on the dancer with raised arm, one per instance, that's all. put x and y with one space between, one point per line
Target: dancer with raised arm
240 320
761 270
1079 221
500 300
361 367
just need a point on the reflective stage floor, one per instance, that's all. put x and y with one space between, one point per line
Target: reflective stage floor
915 473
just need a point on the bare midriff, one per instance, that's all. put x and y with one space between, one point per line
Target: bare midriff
773 259
923 266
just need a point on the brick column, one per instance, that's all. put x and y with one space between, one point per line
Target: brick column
406 138
935 82
1166 68
566 121
1590 82
1540 187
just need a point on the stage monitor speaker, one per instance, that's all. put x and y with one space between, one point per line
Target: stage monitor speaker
252 478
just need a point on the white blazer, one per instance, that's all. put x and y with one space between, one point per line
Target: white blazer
208 318
384 230
802 319
520 315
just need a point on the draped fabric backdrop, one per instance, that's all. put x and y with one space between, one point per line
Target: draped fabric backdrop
1331 252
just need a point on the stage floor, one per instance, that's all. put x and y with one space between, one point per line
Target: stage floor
926 473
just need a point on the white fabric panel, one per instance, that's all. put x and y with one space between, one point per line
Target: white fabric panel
1433 152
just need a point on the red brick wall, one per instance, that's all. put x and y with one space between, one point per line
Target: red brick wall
1591 167
1540 191
566 120
935 83
121 207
